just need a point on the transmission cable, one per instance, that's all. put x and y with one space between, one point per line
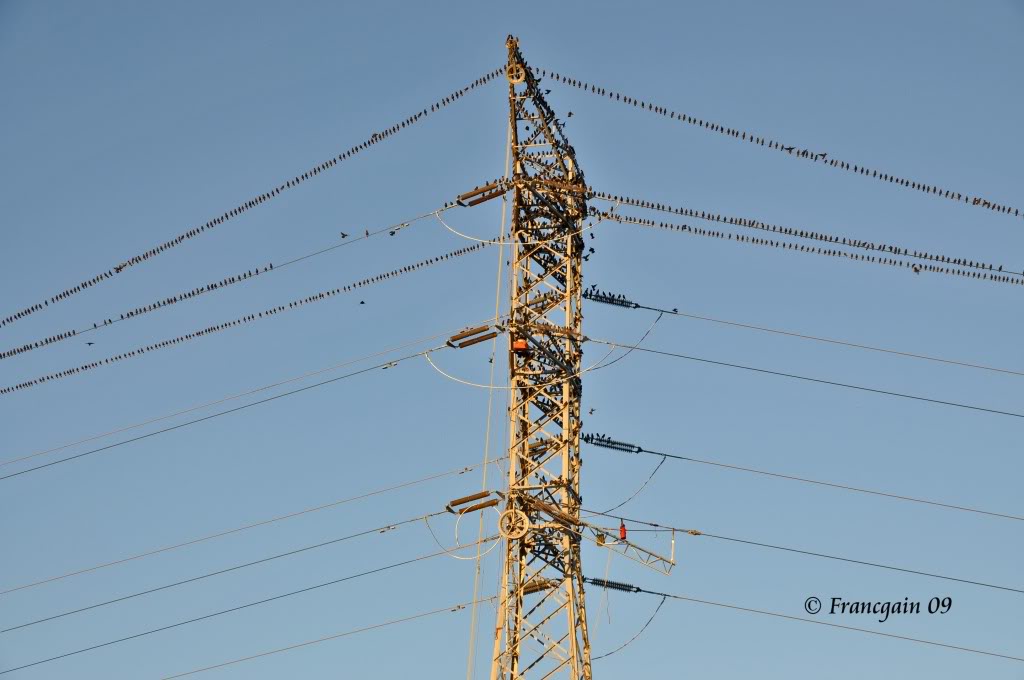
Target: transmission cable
605 442
230 610
625 587
258 200
791 150
387 364
249 318
808 379
251 525
239 395
224 282
699 533
815 250
630 641
804 234
380 530
452 608
619 300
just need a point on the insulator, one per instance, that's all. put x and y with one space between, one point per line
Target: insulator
467 499
475 192
608 299
479 506
599 440
468 332
614 585
474 341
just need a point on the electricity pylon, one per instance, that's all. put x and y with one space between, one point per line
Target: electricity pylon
542 621
542 625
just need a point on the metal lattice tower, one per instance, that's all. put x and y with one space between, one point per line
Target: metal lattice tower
542 625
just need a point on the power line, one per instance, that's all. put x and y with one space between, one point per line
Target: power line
630 641
387 364
251 525
258 200
381 530
791 150
802 233
230 610
865 563
635 589
621 301
808 379
599 440
195 292
249 318
232 397
812 250
452 608
696 532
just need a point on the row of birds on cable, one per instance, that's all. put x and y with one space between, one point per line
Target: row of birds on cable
138 311
258 200
816 250
791 150
195 292
248 318
800 233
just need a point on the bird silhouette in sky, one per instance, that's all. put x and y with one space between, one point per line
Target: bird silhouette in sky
591 412
367 233
344 235
90 343
362 302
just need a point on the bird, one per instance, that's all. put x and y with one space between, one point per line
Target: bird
788 149
591 412
917 268
591 235
362 302
344 235
569 115
367 233
90 343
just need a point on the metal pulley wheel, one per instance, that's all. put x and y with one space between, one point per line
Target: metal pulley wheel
516 74
513 524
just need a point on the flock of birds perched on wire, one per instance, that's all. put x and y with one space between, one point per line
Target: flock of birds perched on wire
144 309
815 250
316 297
960 266
997 273
258 200
791 150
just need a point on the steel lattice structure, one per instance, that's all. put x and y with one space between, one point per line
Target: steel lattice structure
541 625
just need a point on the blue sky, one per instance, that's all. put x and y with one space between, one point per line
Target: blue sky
127 123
